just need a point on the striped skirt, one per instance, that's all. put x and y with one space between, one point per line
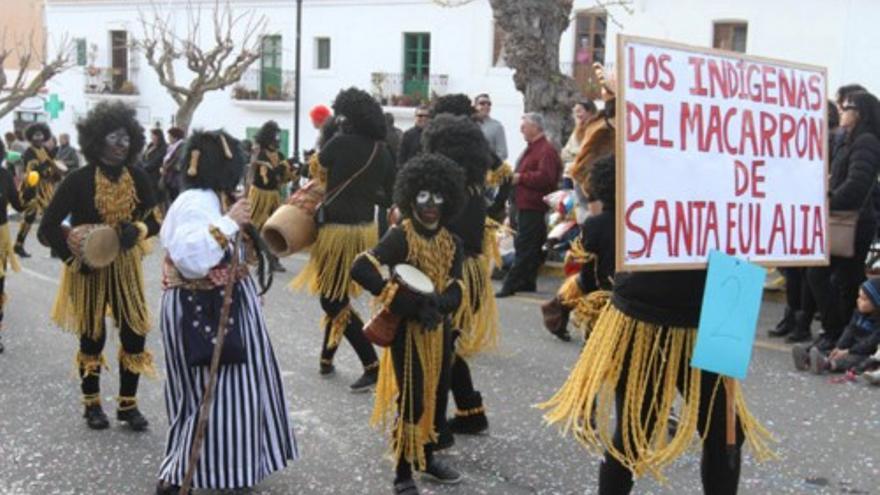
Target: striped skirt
248 436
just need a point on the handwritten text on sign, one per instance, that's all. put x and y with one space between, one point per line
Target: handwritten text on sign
720 152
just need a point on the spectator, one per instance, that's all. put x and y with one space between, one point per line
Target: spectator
171 180
537 173
411 141
154 155
12 156
492 129
393 137
858 342
853 176
67 153
582 112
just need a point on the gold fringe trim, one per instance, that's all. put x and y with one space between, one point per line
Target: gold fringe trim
479 329
576 252
410 434
91 399
317 171
219 237
464 413
126 403
89 364
588 309
658 357
433 255
383 300
337 325
7 252
264 202
84 300
115 201
140 363
496 177
328 271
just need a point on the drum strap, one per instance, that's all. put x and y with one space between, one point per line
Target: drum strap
331 195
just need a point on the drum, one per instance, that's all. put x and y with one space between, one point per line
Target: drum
96 245
292 227
382 328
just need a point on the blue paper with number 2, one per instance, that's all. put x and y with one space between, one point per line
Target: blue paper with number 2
731 303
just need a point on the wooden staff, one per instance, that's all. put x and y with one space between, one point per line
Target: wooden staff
208 398
730 402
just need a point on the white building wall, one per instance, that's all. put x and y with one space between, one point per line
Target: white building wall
367 36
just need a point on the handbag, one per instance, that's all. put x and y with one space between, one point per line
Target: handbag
201 314
331 195
842 230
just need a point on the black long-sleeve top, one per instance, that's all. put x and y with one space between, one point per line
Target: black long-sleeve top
152 161
853 175
342 157
8 195
410 144
76 197
469 224
861 336
666 298
597 238
392 250
270 170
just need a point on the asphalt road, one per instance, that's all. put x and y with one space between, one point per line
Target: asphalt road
828 434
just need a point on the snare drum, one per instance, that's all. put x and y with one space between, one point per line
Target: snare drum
382 328
96 245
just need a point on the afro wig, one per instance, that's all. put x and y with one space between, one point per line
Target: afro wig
456 104
103 119
462 141
602 181
213 160
34 128
268 134
360 114
430 172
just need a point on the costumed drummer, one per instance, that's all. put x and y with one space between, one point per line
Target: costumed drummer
411 393
9 196
460 139
269 172
198 235
37 158
357 172
111 191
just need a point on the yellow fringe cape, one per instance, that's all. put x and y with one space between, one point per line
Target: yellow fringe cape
479 329
584 406
7 254
410 434
264 202
491 249
328 271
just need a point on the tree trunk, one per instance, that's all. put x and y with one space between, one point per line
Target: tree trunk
185 112
532 30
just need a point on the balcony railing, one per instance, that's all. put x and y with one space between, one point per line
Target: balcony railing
108 81
265 85
395 89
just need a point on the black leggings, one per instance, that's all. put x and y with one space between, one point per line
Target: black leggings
131 342
353 334
411 412
719 474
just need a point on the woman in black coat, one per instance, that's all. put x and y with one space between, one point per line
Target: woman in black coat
854 172
154 155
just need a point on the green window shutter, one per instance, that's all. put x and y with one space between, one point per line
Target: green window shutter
270 68
416 64
81 52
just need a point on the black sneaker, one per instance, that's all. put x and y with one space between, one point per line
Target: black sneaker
445 440
365 382
327 369
163 488
439 472
406 487
19 250
798 336
95 417
133 418
469 425
800 353
1 345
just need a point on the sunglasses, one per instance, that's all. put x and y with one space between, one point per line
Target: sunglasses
422 115
484 103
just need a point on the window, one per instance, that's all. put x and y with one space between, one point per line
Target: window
416 64
730 36
499 54
283 142
590 27
322 53
80 48
119 59
270 67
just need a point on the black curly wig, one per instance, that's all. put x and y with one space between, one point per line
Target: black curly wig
430 172
37 126
268 134
103 119
215 169
456 104
360 114
462 141
602 181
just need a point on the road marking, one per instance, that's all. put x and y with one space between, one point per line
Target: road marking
39 276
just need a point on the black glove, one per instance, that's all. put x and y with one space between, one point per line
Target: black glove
28 193
405 304
429 313
128 235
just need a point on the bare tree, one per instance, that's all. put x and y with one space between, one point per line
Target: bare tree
26 82
532 32
215 63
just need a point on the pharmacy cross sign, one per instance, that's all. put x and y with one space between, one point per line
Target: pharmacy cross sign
54 106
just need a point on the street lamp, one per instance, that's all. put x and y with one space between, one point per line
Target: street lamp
296 76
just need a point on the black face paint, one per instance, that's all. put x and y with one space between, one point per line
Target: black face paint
116 147
427 209
37 139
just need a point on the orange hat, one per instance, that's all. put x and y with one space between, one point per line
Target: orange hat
319 114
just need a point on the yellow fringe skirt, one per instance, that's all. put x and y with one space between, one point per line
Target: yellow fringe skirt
585 308
328 271
393 405
477 316
84 300
7 254
658 358
264 202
